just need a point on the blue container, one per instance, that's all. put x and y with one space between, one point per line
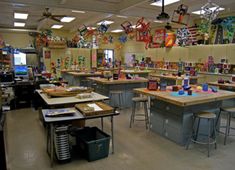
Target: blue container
205 87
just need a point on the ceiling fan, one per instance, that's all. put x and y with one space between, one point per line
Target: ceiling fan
48 15
163 16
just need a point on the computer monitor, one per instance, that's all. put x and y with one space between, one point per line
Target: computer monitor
21 71
19 58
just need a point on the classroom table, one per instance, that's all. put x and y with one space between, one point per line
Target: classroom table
52 102
171 80
225 86
104 86
140 73
52 121
171 114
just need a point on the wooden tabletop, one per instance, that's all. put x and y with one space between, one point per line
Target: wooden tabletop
136 71
84 74
69 100
173 77
107 69
119 81
200 98
225 85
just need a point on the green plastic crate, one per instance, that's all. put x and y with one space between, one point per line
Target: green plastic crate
94 143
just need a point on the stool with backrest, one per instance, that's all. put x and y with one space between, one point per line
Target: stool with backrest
211 136
136 100
229 111
119 94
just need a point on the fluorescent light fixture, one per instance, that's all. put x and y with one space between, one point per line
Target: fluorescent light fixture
67 19
134 26
56 26
106 22
199 12
121 16
76 11
117 31
19 24
166 2
20 15
91 28
158 21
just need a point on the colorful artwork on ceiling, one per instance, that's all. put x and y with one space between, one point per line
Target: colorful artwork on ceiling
181 15
159 37
127 27
122 39
182 36
103 28
83 30
170 39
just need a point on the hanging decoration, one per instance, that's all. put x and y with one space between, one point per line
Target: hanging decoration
127 27
181 15
170 39
158 39
83 30
142 30
103 28
209 11
228 25
194 34
122 39
2 44
182 36
110 39
105 40
131 36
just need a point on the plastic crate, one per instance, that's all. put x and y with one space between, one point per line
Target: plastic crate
93 143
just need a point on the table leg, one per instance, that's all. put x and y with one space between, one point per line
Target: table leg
102 123
112 134
52 143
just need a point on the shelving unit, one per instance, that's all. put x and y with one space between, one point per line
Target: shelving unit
5 60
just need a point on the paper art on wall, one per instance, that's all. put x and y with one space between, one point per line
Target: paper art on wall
2 44
142 30
159 38
182 36
122 38
127 27
110 39
47 54
170 39
181 15
105 40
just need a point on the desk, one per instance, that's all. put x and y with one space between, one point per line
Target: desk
77 116
63 101
104 86
171 115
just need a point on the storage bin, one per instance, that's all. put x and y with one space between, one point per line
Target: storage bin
93 143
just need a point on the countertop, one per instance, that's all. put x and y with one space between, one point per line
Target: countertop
200 98
174 77
119 81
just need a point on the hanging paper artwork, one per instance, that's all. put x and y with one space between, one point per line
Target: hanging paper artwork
103 28
209 11
142 30
181 15
2 44
131 36
194 34
47 54
127 27
53 68
122 39
182 36
83 30
228 25
105 40
110 39
170 39
158 39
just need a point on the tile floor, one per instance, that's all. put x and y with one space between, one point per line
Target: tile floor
135 149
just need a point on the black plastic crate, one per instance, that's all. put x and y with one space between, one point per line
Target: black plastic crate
93 143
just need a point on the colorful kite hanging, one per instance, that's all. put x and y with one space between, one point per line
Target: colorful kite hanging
209 11
103 28
180 16
127 27
122 39
182 36
83 30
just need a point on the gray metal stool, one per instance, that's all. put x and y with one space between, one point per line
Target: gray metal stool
118 93
135 100
210 117
229 111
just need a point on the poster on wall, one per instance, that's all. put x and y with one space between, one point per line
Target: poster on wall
47 54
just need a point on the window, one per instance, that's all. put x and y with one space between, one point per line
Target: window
109 56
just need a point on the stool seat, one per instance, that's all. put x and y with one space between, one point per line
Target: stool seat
139 99
228 109
116 92
206 115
